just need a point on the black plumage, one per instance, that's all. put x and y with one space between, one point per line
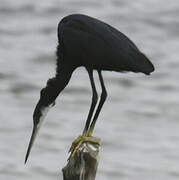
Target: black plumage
89 42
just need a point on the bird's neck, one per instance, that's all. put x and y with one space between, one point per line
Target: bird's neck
63 76
55 85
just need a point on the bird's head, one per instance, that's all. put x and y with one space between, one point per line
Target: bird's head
49 94
46 101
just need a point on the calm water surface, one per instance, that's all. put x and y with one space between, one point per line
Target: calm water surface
139 124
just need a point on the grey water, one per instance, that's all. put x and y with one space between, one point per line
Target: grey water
139 124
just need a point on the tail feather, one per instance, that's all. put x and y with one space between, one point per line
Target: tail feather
141 63
146 66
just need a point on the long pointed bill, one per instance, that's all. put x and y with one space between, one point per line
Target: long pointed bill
47 99
33 136
36 129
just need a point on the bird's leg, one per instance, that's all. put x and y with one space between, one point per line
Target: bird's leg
83 138
100 105
93 103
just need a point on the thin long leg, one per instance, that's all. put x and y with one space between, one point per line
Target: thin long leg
94 101
100 105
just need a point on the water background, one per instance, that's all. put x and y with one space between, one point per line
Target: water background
139 124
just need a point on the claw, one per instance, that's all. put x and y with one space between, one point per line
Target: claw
80 140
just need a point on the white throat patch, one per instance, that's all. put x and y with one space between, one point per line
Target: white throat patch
44 112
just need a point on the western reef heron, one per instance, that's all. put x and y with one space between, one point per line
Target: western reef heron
89 42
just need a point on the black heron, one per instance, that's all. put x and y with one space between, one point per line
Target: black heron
89 42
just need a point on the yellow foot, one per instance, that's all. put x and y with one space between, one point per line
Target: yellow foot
80 140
